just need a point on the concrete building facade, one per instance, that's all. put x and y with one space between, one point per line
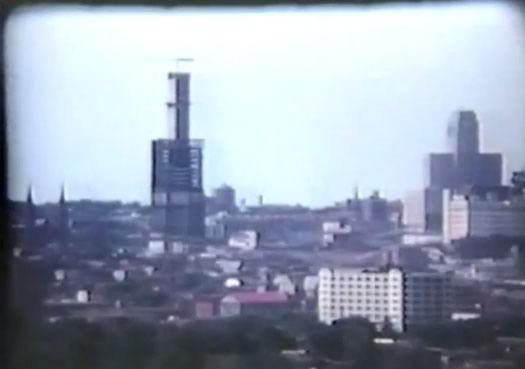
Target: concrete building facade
335 232
254 303
440 170
224 199
414 211
375 295
429 298
467 216
245 240
405 300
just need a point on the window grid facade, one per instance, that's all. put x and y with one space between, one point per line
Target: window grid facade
473 217
406 299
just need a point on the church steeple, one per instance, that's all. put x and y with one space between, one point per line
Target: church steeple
30 219
29 197
356 204
63 217
62 200
30 208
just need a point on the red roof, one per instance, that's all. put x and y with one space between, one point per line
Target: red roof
271 297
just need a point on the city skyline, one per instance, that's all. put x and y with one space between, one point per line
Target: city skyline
281 113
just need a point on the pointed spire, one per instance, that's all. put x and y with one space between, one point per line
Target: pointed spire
62 194
63 217
30 212
29 198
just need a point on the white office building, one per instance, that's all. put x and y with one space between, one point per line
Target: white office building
334 231
414 211
244 240
381 295
374 294
467 216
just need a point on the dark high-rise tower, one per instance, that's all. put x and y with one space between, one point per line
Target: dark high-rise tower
463 133
471 166
463 166
177 195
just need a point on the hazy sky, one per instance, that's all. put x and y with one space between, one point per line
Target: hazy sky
300 106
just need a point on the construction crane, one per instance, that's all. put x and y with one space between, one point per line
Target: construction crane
182 60
177 61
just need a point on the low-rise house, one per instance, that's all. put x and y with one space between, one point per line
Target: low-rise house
511 345
310 285
206 307
254 303
284 284
488 364
228 266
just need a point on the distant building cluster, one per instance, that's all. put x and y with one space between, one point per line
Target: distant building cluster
464 195
343 225
191 256
463 166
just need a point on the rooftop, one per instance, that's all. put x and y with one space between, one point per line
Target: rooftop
270 297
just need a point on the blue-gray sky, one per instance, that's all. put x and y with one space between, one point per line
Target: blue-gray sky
298 105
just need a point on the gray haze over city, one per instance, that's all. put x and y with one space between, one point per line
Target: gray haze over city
298 105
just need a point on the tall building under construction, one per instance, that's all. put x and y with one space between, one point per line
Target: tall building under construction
177 196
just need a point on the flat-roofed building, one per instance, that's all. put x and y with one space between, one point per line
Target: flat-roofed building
471 216
402 299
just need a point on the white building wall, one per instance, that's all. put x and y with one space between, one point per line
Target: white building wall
414 210
333 229
83 296
456 217
374 295
421 238
404 299
229 307
246 240
336 228
156 247
474 217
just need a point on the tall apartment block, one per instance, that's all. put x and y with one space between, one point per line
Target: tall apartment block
177 196
406 300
